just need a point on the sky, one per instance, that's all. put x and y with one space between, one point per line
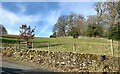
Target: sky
43 15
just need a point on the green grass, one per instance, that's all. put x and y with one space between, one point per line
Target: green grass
9 36
83 44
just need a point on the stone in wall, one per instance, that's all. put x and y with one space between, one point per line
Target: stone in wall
65 61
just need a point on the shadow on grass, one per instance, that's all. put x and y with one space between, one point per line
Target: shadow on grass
45 45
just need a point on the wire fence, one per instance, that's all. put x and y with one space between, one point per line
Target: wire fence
82 47
43 46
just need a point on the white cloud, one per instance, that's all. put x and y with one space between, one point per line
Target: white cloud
53 17
13 31
50 20
22 8
10 20
13 20
84 9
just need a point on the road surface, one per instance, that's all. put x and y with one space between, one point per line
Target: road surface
13 68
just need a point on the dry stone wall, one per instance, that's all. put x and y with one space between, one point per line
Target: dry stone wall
65 61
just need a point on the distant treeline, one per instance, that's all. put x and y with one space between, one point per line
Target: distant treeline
103 24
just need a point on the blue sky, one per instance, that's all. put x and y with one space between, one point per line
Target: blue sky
43 15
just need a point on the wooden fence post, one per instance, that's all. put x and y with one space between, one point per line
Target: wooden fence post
48 46
32 45
7 44
74 48
48 49
112 49
119 55
18 45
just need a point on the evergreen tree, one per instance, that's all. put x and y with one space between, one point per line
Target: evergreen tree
2 29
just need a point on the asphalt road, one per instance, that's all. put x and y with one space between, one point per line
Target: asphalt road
13 68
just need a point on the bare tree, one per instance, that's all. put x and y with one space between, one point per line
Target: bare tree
113 15
26 33
100 8
77 22
60 26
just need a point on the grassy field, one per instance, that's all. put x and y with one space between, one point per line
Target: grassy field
81 45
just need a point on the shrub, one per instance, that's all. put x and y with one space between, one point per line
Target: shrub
74 33
114 32
94 30
51 36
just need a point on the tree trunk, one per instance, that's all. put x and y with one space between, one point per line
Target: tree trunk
26 44
112 49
